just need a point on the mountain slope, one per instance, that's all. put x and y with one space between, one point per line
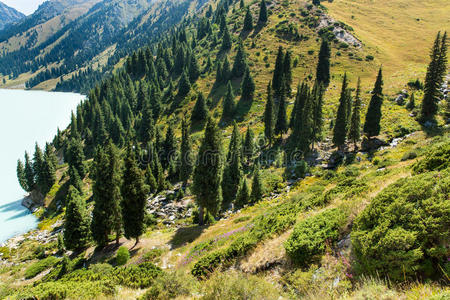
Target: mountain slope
8 15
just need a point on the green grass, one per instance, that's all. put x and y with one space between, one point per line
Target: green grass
40 266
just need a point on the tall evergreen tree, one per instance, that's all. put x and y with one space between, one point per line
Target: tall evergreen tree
194 69
247 86
186 154
354 134
76 223
341 125
228 103
169 147
200 111
243 196
29 173
373 116
269 116
323 65
277 79
226 40
287 72
184 86
257 186
318 112
147 129
232 172
241 4
248 148
262 12
21 176
75 180
134 192
226 72
207 179
248 20
433 80
240 62
106 217
307 123
75 156
281 125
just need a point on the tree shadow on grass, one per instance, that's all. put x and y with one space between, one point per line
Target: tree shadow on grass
186 235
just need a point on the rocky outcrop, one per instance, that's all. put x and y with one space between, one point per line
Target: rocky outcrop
339 31
33 201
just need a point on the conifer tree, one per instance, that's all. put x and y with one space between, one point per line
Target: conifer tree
354 134
186 155
262 12
278 72
226 40
219 73
29 173
241 4
150 179
247 86
306 137
147 126
75 180
323 65
76 223
268 116
200 111
21 175
287 72
207 179
228 103
240 62
194 69
433 79
184 86
106 216
257 186
243 197
281 125
232 172
341 125
75 156
248 20
318 112
169 147
226 72
134 192
248 148
373 116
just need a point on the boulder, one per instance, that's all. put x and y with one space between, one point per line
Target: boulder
372 144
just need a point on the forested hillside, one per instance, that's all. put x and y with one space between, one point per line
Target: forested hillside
242 150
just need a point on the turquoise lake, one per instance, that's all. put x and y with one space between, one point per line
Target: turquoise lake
26 117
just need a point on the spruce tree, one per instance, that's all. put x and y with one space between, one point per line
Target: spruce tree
200 111
147 126
262 12
243 196
106 217
226 40
281 125
29 173
186 155
184 86
248 148
268 116
232 172
194 69
76 223
134 193
354 134
248 20
241 4
75 180
257 186
373 116
169 147
74 156
277 79
287 72
150 179
318 112
207 179
306 137
228 103
219 73
226 72
247 86
323 65
240 62
435 72
341 125
20 170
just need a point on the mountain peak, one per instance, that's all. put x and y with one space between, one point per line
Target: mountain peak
8 15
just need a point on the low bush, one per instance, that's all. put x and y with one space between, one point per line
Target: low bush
437 158
40 266
409 155
123 255
309 238
170 286
403 232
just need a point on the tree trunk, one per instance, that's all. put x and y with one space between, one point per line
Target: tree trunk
117 239
137 241
200 215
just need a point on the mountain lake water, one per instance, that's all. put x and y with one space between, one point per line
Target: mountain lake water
26 117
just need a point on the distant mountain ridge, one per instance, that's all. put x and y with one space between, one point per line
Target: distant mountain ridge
8 15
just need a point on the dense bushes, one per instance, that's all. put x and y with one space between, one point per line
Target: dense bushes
40 266
404 231
310 236
437 158
170 286
123 255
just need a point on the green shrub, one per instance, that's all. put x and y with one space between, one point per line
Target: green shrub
404 231
40 266
409 155
169 286
123 255
309 237
437 158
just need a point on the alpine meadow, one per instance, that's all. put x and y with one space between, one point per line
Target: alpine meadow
234 149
